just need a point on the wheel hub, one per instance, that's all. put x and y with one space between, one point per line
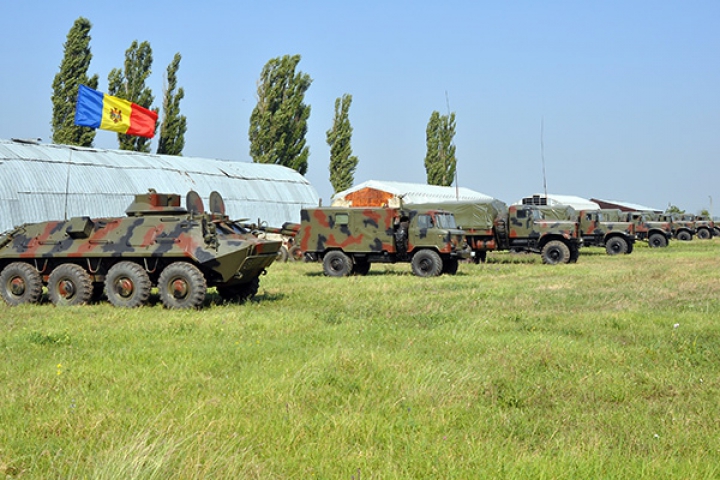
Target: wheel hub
66 288
179 288
17 286
124 287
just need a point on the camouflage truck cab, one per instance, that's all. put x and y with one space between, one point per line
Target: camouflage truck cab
544 230
347 240
603 228
655 232
181 251
704 227
682 225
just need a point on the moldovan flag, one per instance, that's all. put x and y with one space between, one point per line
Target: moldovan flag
99 110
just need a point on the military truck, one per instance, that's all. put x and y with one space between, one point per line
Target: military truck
181 251
492 225
682 225
704 227
599 228
347 240
656 233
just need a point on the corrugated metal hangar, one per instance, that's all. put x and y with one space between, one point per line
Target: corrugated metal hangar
41 182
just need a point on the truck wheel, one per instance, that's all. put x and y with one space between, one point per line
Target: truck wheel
450 266
361 267
555 252
480 256
716 232
68 285
704 234
616 246
684 236
427 263
240 293
282 254
182 285
574 254
20 283
295 254
657 240
127 285
337 264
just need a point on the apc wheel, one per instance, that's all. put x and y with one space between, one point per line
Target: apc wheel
704 234
20 283
127 285
684 236
361 267
555 252
450 266
240 293
427 263
657 240
182 285
282 254
68 285
337 264
616 246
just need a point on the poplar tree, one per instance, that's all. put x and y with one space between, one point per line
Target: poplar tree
129 84
342 161
173 125
440 159
73 72
278 123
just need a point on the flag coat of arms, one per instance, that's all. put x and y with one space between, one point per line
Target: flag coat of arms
99 110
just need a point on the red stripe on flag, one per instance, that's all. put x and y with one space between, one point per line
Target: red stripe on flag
142 122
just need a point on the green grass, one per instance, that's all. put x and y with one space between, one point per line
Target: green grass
609 368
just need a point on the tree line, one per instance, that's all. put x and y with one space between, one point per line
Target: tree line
278 123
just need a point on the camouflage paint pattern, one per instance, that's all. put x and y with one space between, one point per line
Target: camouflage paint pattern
155 233
648 228
598 227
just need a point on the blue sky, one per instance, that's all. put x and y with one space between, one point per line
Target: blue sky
627 92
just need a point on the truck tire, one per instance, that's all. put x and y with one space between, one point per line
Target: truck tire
684 236
361 267
427 263
616 246
657 240
20 283
450 266
182 285
282 254
337 264
574 254
704 234
127 285
555 252
716 232
69 285
295 254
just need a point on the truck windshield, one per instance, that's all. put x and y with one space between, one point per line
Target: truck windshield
445 220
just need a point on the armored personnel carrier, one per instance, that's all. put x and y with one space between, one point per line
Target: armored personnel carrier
181 251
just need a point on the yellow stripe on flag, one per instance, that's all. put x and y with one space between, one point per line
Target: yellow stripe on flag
115 114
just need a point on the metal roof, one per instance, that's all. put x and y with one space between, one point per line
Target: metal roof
578 203
51 182
417 192
627 205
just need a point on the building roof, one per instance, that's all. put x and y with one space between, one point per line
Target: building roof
578 203
417 192
625 206
52 182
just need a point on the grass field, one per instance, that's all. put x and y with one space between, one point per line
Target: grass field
609 368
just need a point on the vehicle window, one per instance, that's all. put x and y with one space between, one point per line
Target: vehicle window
445 220
424 221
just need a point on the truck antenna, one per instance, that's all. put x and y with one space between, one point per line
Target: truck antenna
542 154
